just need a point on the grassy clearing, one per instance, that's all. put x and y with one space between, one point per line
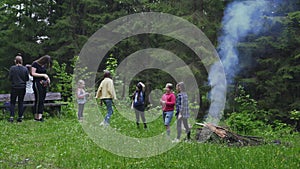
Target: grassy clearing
62 143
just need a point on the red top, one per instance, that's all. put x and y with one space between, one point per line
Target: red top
170 100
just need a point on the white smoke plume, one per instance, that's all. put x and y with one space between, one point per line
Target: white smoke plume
241 18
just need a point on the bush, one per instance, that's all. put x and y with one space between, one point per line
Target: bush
247 118
243 121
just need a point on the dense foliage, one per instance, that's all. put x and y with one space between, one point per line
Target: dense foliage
270 74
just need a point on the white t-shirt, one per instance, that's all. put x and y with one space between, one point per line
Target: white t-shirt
29 84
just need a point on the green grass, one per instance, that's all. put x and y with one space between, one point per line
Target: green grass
63 143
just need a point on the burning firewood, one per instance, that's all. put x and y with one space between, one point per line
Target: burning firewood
221 132
230 137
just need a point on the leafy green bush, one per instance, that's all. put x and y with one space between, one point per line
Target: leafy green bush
295 117
247 118
64 83
111 65
243 121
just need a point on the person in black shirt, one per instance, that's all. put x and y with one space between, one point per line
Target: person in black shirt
18 75
40 83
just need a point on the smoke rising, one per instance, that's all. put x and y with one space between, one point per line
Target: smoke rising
241 18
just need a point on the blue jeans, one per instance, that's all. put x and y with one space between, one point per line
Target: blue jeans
167 117
108 103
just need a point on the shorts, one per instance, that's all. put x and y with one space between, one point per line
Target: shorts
167 117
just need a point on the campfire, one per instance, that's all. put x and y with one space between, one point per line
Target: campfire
209 131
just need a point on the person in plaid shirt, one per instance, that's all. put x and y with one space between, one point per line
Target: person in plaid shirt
182 111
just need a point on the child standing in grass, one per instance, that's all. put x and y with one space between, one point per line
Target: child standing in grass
168 102
138 103
182 111
81 98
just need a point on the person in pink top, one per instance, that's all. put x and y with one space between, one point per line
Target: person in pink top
167 102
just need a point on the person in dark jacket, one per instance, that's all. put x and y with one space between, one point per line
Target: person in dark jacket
18 75
138 104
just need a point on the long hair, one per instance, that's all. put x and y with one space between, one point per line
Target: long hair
45 61
181 86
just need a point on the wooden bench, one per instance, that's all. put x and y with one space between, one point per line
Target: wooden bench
52 100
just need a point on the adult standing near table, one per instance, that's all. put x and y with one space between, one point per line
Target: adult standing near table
40 83
18 75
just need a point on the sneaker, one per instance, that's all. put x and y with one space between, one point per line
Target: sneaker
19 120
39 120
11 120
187 141
176 140
189 135
103 124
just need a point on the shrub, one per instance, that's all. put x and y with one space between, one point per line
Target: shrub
247 118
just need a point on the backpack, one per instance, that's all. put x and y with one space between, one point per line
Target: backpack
138 101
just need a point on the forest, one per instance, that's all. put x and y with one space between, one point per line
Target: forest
262 71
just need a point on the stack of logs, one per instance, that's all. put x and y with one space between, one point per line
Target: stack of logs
213 132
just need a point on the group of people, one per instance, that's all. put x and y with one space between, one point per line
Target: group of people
34 77
24 80
168 102
106 93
